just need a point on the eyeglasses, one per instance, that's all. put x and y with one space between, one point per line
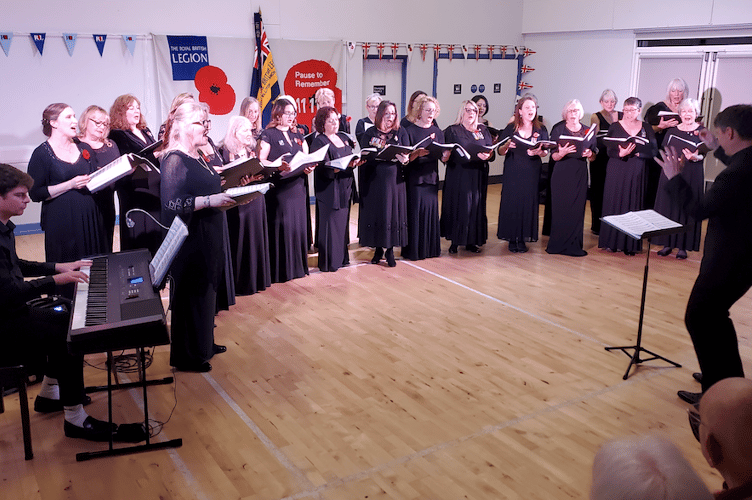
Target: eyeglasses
204 123
98 124
471 110
390 113
289 113
373 106
630 110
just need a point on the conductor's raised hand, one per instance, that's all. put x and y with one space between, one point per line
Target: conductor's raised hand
670 162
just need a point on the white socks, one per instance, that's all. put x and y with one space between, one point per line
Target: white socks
50 389
75 415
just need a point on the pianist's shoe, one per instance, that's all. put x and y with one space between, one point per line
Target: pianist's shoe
47 405
93 430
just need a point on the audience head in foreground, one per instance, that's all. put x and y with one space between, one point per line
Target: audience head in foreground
644 468
726 431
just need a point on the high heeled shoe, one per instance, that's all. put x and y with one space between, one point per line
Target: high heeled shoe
377 255
389 255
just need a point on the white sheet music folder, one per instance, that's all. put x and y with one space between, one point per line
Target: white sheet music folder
162 260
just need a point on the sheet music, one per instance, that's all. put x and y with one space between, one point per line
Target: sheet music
251 188
111 172
637 224
162 260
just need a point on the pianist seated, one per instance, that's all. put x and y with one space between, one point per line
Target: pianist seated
30 333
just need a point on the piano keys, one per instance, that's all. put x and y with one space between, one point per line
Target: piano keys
118 308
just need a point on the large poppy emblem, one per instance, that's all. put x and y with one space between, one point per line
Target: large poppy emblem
211 83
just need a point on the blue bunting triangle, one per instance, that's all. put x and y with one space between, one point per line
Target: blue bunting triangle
38 41
5 39
70 42
99 40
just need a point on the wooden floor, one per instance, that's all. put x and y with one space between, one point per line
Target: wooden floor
461 377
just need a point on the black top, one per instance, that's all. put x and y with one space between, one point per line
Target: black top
14 290
425 169
332 185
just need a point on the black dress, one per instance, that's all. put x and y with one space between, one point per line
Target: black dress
518 210
249 244
287 211
625 187
72 222
105 197
197 268
382 220
423 227
226 285
653 170
463 202
140 190
598 174
568 197
694 174
333 194
360 127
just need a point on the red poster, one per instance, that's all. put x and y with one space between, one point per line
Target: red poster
303 80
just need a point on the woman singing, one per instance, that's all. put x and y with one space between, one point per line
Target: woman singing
603 120
190 188
248 226
569 182
423 228
383 211
463 208
625 175
140 190
286 202
72 222
518 211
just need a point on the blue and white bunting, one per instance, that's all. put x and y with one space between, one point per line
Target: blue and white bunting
38 41
5 39
70 42
130 42
99 40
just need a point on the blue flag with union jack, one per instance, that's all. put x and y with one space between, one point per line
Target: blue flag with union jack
264 83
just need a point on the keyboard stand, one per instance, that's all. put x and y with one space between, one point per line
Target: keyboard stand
127 450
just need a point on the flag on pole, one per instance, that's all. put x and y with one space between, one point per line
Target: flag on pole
264 83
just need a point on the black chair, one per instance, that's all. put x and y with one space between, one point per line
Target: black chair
15 377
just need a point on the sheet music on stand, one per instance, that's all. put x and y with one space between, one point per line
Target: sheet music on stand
643 224
162 260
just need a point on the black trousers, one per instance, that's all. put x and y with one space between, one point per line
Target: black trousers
709 325
38 337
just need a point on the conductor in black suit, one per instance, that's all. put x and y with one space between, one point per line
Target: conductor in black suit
726 268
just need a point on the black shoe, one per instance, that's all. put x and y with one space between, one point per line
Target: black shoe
219 349
195 368
521 247
390 257
453 249
47 405
513 246
377 255
697 376
472 248
130 433
629 253
692 398
681 254
694 424
665 251
93 430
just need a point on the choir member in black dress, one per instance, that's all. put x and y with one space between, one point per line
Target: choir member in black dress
140 190
482 103
569 183
191 189
518 211
287 200
93 127
463 202
676 92
694 174
603 120
422 177
71 220
625 175
333 191
372 105
251 109
382 221
248 227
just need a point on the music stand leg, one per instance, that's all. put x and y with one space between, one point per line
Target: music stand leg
635 357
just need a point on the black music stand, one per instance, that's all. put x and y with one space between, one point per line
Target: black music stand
660 230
